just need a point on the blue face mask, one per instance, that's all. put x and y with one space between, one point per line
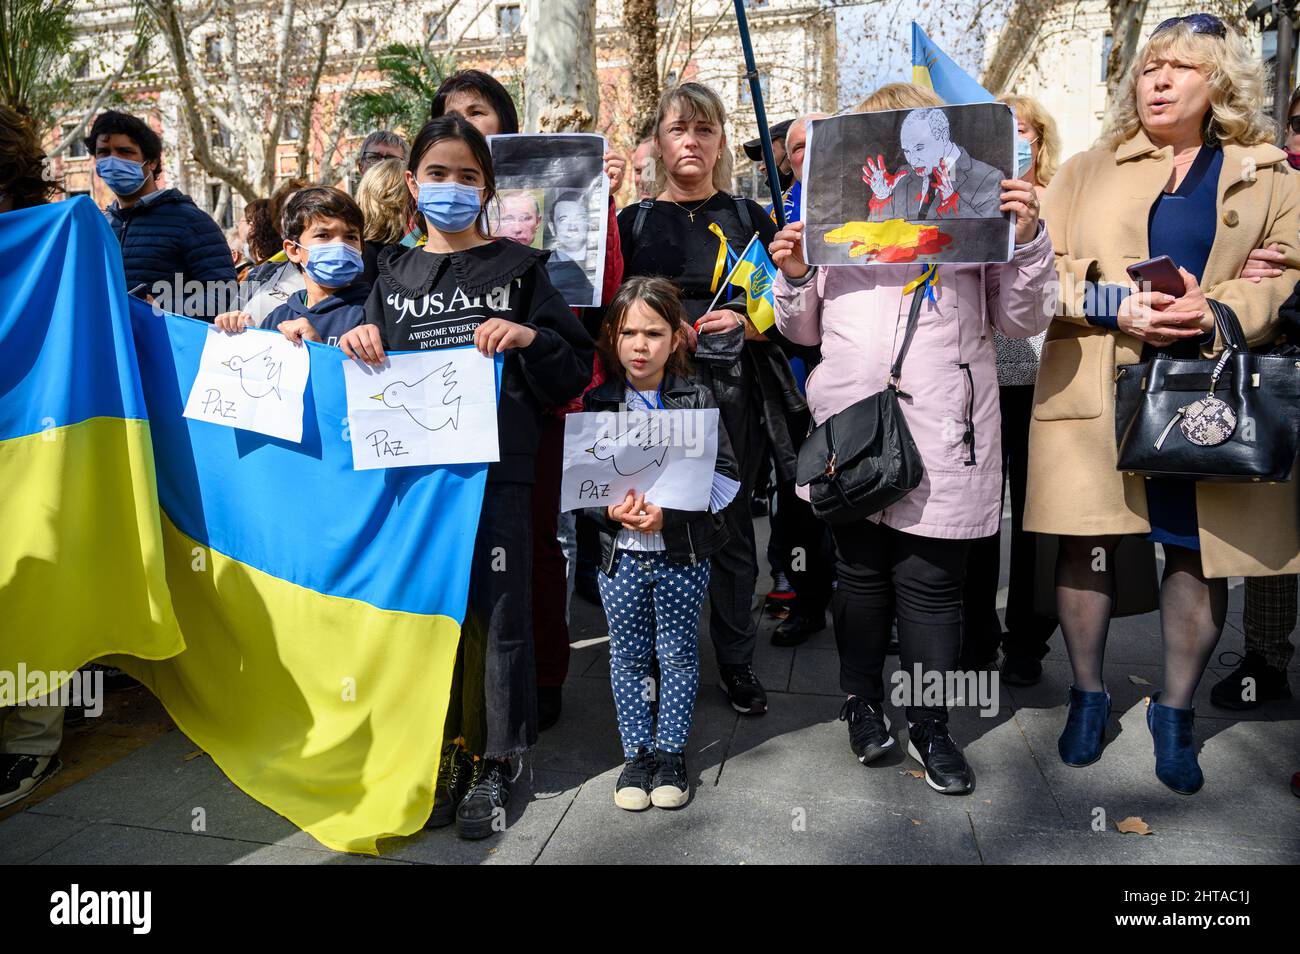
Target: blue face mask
1024 157
123 176
333 265
449 206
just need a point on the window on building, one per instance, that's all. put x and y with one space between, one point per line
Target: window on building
81 65
510 17
1107 42
219 137
140 58
362 31
292 128
746 99
755 4
212 51
665 8
435 26
77 150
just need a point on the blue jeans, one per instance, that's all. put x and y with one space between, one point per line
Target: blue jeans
653 608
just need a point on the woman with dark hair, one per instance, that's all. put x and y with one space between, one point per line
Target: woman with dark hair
273 279
487 105
478 97
264 238
466 287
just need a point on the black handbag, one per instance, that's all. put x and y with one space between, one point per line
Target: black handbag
861 460
1231 418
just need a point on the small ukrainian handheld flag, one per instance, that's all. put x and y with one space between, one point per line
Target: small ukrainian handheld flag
933 67
754 272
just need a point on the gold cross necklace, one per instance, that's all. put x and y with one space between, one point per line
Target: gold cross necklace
690 213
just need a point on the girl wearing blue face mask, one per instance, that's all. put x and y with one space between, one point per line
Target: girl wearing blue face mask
464 287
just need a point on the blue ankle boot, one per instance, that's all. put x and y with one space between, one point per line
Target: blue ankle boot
1175 744
1085 727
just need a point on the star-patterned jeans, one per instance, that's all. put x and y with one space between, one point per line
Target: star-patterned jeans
653 608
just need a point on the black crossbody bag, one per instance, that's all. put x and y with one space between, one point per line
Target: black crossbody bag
861 460
1231 418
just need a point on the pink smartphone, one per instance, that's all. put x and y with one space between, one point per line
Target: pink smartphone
1158 274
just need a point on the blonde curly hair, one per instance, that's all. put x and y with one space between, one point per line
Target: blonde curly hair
1237 85
385 202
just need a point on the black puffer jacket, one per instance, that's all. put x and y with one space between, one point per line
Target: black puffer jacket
689 536
167 236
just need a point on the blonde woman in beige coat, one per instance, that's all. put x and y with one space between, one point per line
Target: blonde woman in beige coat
1185 167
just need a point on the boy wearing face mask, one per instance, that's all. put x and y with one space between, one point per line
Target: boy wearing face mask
322 229
167 241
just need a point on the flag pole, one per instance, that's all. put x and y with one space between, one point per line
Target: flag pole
756 94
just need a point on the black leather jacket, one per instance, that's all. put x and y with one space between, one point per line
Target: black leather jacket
689 536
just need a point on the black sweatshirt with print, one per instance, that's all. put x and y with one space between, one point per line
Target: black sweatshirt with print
427 300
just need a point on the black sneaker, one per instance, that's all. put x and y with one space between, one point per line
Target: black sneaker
670 789
454 770
485 802
21 774
549 702
1233 692
946 770
797 627
743 690
1021 670
636 781
868 729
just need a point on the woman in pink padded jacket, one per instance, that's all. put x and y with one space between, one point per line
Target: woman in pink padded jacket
909 560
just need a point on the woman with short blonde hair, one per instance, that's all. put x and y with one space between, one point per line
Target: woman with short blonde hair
1185 168
385 202
1036 125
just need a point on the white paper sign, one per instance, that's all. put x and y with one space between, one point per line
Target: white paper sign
435 407
668 455
253 381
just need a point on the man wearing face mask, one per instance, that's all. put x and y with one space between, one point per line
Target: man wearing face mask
167 241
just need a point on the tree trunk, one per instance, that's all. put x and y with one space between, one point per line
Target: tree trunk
1125 25
562 93
641 24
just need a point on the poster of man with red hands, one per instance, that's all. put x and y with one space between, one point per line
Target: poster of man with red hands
912 185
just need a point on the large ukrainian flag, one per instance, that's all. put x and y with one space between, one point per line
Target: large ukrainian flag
320 606
81 554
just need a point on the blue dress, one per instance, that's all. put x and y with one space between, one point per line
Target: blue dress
1182 225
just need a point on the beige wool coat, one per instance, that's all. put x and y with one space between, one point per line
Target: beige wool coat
1096 210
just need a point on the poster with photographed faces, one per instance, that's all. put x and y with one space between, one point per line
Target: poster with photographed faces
552 194
909 186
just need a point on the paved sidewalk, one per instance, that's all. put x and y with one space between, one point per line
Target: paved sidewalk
783 787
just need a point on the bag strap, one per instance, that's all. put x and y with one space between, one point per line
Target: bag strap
742 211
913 319
642 210
1225 319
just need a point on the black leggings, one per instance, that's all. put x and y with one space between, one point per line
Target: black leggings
884 573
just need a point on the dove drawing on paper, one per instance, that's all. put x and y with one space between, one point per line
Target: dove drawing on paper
637 449
409 396
259 374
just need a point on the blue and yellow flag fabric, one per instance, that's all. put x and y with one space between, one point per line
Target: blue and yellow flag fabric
319 607
932 67
754 273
